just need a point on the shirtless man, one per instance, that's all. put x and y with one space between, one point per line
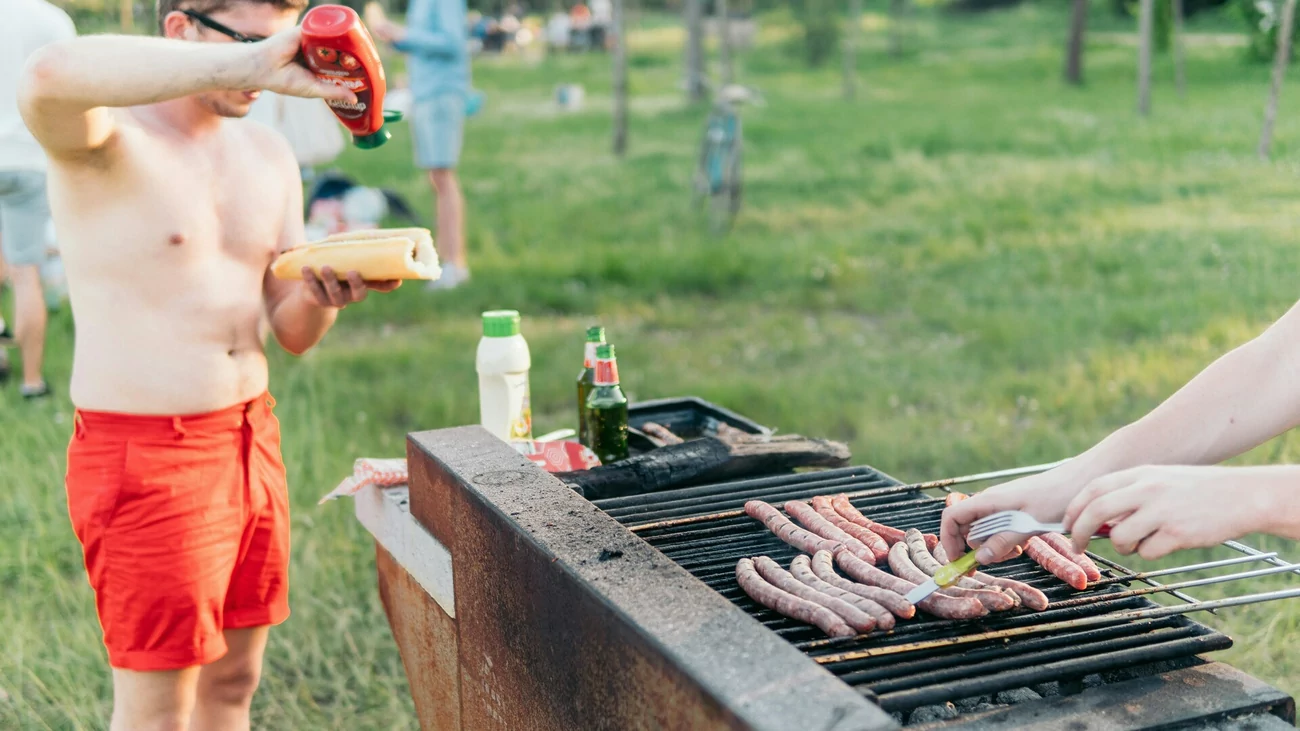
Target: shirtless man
169 214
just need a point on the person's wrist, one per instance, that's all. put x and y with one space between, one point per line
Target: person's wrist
1269 498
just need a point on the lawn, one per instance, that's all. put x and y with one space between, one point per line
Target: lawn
970 267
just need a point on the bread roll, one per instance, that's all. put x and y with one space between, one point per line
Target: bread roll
379 254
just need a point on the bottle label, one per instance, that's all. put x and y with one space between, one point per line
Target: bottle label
589 355
606 372
338 67
521 410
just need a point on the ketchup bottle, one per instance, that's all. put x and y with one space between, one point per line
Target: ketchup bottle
338 49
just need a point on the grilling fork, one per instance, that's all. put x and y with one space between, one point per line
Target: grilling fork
1007 521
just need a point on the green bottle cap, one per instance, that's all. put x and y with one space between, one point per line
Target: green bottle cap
605 351
371 141
596 334
500 323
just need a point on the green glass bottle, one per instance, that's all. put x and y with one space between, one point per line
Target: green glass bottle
607 409
586 380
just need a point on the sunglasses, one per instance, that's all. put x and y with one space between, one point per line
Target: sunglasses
207 22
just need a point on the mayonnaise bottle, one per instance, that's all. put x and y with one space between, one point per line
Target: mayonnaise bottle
502 363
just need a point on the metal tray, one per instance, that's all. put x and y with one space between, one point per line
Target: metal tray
688 417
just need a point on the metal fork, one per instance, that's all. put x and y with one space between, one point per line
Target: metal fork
1016 521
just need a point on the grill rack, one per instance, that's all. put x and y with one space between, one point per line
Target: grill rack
1106 629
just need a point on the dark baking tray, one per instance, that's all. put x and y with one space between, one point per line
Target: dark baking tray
688 417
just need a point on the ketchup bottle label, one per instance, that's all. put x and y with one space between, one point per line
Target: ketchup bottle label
341 68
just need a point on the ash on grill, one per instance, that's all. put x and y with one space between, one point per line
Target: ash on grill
928 669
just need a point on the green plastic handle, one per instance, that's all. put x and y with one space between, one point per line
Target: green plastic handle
948 575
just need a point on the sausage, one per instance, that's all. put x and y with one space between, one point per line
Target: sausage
889 534
1064 547
813 521
1028 595
900 560
870 539
801 568
1060 566
788 604
938 604
661 433
923 560
953 498
823 567
772 572
787 531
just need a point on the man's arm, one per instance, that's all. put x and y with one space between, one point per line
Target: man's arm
67 87
1246 397
448 40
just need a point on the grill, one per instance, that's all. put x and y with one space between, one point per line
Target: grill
547 611
1112 626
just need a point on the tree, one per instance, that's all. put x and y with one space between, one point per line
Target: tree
850 47
1180 76
724 34
1146 23
896 10
1279 71
695 90
620 81
1074 43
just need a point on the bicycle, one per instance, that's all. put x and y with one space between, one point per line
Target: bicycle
718 171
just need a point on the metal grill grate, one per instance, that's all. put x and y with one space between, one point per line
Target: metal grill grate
1111 627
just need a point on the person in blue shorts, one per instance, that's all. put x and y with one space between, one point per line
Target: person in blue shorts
435 39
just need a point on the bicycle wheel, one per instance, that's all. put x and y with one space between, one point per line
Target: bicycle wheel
725 200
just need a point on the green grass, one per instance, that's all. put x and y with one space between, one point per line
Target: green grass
971 267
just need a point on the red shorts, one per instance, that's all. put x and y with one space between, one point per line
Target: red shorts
184 522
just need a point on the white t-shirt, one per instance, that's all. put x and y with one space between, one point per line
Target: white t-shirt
28 25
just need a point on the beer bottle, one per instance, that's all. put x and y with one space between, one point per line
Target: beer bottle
595 336
607 409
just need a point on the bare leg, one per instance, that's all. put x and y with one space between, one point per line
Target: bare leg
160 701
226 686
29 321
451 216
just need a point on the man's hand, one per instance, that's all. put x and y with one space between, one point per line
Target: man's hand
328 291
1043 496
1156 510
275 67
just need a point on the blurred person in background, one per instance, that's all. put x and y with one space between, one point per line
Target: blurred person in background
24 210
435 41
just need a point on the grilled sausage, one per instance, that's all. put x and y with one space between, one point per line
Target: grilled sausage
1060 566
773 574
938 604
923 560
889 534
823 567
953 498
801 568
900 561
787 531
1064 547
788 604
1029 596
879 548
813 521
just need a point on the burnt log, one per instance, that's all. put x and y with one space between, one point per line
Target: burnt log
704 460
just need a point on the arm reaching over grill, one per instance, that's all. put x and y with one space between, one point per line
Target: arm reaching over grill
1028 595
938 604
788 604
1059 566
801 569
879 548
773 574
813 521
823 567
787 531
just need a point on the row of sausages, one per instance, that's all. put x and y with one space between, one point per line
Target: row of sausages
834 533
1055 553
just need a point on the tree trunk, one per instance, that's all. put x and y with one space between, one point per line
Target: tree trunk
695 90
1146 23
896 8
620 80
850 49
1074 44
1180 76
724 36
128 15
1279 72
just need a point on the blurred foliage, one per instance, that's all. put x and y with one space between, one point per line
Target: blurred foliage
819 26
1263 19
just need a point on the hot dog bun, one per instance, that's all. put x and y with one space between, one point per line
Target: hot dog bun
376 254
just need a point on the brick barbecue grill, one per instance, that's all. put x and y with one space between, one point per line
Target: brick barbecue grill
519 604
